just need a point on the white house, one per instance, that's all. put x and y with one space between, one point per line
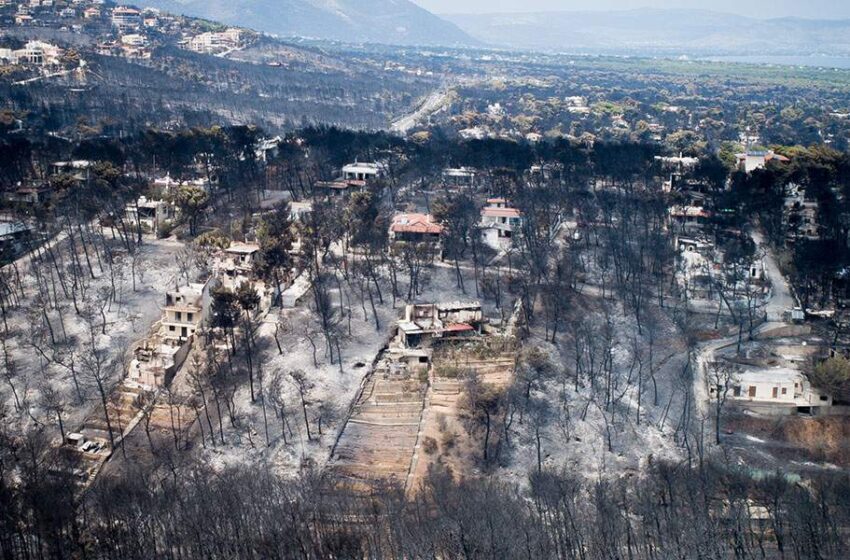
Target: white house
459 177
150 215
750 161
499 224
775 390
125 18
182 313
363 171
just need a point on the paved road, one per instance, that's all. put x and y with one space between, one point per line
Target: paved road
781 298
431 104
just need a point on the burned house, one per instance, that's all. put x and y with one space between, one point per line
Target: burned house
182 313
424 324
150 215
235 265
459 177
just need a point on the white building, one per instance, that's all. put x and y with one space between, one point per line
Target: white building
182 314
215 42
750 161
499 224
777 390
125 18
459 177
150 215
363 171
34 53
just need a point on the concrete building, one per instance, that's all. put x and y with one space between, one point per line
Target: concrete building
423 324
150 215
750 161
14 239
215 42
499 224
182 314
34 53
778 390
339 187
29 196
687 218
125 18
363 171
459 177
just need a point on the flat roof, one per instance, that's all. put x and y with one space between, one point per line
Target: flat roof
770 375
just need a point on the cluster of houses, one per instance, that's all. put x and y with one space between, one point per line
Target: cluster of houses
122 31
215 42
498 225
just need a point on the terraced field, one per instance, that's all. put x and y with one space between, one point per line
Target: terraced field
379 439
442 422
382 442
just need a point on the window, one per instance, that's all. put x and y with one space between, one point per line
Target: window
171 328
179 316
189 316
736 391
824 398
752 391
784 390
776 392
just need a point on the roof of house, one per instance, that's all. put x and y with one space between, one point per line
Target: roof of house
770 375
340 184
415 223
491 212
690 212
363 167
243 248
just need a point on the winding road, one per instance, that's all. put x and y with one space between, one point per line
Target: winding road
781 299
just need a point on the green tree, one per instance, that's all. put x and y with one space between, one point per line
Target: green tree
192 201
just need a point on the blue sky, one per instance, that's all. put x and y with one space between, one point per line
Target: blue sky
813 9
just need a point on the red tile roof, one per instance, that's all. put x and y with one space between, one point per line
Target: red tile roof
415 223
491 212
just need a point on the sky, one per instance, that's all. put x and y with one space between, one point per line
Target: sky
813 9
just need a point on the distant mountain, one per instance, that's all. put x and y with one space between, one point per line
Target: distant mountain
375 21
649 31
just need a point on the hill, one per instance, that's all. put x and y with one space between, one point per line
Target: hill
695 32
375 21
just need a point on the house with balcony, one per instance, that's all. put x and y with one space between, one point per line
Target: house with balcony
459 177
500 224
363 171
150 215
182 314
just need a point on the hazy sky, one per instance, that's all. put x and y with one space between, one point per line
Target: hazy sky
814 9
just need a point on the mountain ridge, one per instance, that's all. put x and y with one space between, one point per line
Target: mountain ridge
355 21
657 31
